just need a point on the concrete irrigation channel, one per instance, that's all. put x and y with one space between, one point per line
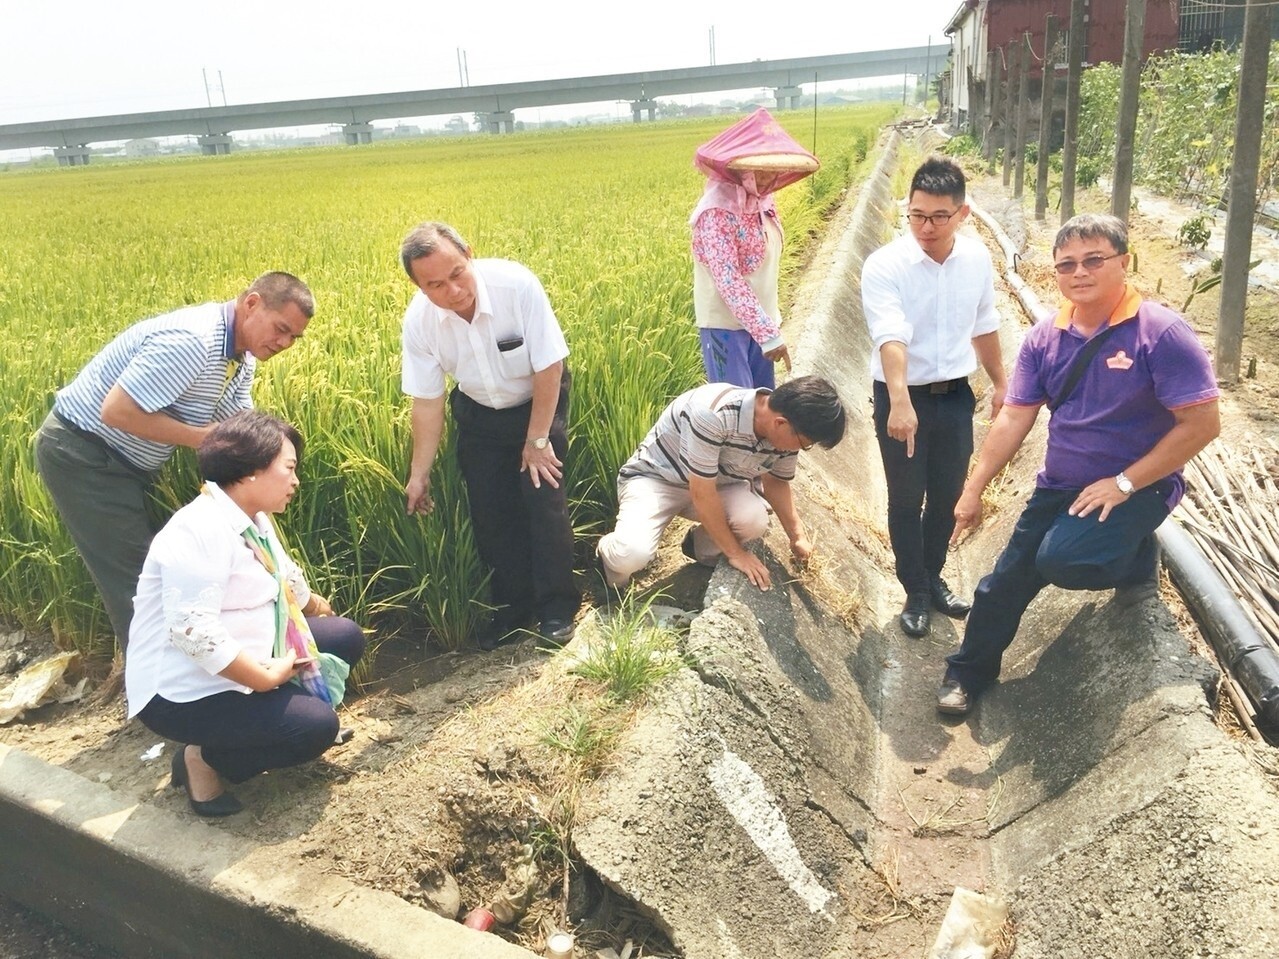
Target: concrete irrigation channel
795 793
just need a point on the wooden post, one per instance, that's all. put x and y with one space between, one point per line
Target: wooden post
1241 208
994 87
1023 113
1010 111
1129 92
1046 91
1074 70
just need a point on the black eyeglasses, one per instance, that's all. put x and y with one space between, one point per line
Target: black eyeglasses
936 219
803 443
1089 263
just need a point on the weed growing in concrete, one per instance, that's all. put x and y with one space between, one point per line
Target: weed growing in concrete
586 735
633 653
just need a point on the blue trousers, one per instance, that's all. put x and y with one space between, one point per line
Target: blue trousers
732 356
241 734
1051 547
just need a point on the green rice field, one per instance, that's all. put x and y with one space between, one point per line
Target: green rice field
599 213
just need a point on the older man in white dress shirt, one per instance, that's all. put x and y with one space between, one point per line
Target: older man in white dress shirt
489 325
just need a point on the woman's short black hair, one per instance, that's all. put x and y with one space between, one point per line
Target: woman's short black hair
242 444
812 407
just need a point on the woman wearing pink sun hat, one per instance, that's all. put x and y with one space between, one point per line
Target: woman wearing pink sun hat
737 248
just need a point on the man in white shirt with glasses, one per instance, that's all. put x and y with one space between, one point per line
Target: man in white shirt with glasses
929 302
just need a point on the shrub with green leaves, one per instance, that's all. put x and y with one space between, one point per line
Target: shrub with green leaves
1195 233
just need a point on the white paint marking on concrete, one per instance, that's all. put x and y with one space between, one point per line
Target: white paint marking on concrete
726 941
747 799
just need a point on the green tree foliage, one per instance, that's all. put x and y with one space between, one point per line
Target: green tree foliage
1185 124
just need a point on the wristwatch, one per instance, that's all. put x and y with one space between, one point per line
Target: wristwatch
541 442
1124 484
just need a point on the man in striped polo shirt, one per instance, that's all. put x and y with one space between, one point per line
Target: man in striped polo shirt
158 385
700 461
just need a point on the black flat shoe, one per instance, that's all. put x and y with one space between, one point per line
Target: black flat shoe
914 618
224 804
944 601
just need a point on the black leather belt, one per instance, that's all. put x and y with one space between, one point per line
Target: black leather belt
945 386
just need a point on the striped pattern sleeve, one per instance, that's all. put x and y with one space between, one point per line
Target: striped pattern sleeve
165 366
702 435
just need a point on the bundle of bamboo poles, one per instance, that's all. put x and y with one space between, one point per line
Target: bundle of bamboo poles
1231 510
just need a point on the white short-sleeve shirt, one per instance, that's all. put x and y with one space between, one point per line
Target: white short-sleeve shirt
513 335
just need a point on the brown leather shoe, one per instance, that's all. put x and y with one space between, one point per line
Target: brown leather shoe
953 699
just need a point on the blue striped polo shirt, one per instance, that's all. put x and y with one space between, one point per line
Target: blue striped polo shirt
709 432
181 364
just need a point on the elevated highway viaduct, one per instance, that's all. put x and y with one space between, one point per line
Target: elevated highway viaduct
71 139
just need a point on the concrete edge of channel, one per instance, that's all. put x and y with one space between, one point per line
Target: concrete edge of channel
148 883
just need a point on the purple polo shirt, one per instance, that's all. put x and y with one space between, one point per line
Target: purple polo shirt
1151 365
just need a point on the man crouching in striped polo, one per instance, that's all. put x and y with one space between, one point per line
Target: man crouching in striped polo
702 460
159 384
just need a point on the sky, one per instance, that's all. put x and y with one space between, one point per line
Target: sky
88 58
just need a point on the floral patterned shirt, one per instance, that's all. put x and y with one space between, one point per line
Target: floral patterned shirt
731 248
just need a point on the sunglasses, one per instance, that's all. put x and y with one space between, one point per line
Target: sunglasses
1089 263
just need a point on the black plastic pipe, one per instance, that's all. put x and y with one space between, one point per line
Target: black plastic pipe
1241 646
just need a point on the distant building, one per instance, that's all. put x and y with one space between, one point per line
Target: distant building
983 31
142 147
1205 26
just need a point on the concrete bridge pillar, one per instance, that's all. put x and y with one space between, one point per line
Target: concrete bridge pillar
639 106
498 121
215 144
356 133
788 97
73 156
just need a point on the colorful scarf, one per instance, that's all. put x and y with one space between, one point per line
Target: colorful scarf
323 677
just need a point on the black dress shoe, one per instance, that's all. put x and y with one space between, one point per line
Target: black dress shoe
223 804
944 601
686 546
504 626
915 618
556 632
492 636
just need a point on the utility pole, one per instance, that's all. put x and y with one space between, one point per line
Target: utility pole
1010 110
1129 91
1074 70
712 44
1046 90
998 109
1244 165
1023 113
207 97
992 98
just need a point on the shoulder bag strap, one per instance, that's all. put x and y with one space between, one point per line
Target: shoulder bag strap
1079 366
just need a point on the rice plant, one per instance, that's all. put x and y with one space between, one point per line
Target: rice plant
600 214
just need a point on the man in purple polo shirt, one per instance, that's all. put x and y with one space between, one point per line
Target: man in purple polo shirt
1142 405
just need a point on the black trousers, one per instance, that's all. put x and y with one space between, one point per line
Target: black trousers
243 734
522 532
923 489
